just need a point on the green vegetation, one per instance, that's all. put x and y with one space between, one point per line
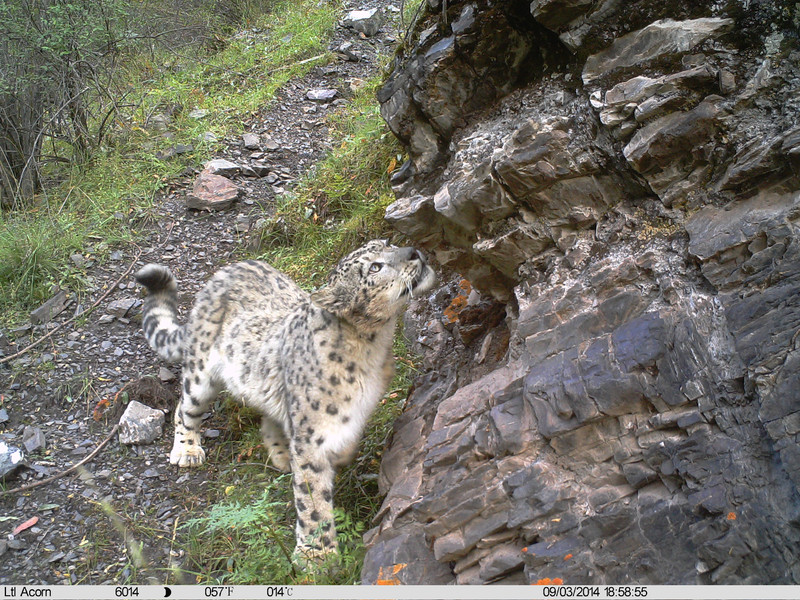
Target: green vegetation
249 540
342 200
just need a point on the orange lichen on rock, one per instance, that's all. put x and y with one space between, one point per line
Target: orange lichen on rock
731 516
390 577
100 408
458 303
452 311
548 581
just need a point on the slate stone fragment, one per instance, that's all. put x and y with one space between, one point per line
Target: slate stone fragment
33 439
53 307
251 141
222 167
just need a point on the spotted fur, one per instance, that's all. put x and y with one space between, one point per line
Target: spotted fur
314 365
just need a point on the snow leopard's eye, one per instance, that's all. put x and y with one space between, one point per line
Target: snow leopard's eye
375 267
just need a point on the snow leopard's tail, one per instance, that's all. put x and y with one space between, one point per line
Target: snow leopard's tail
160 314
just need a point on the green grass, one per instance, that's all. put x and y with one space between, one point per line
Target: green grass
341 202
34 255
249 540
243 77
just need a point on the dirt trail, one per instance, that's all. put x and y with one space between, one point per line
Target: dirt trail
86 523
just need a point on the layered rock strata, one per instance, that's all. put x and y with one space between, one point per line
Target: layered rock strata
611 391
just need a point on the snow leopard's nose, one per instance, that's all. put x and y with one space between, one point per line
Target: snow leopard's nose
410 254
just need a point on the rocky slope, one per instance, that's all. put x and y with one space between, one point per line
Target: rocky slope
612 390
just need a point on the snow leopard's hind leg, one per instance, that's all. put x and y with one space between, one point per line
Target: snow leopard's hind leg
275 443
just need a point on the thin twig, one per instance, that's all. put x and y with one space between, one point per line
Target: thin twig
97 302
32 553
30 486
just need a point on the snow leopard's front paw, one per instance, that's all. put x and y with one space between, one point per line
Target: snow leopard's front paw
187 451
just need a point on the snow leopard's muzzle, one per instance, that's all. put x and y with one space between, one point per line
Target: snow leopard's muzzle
423 277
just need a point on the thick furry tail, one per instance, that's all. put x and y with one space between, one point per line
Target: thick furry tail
160 314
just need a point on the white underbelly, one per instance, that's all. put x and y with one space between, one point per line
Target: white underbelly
343 436
260 391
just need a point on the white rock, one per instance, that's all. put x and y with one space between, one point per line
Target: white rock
11 457
367 22
140 424
321 94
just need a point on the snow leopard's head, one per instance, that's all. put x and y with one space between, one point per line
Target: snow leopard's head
372 285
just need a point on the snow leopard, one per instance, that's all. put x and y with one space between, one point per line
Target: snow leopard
314 365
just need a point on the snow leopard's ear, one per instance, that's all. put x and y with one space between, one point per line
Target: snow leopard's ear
331 298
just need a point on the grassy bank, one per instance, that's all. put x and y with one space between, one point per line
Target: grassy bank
342 200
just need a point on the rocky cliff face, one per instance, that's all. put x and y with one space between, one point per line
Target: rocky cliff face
612 379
